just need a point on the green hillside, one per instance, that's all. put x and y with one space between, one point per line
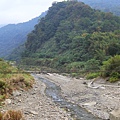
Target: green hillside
73 37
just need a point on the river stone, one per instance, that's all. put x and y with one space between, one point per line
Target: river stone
90 104
33 112
115 115
8 101
16 93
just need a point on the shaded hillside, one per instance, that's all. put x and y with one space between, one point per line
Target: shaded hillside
72 36
105 5
15 55
13 35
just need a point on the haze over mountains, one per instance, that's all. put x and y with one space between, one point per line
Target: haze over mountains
13 35
105 5
1 26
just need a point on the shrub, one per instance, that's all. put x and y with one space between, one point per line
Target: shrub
2 84
92 75
114 77
111 68
92 64
11 79
11 115
73 74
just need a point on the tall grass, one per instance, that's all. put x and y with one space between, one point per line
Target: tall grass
11 115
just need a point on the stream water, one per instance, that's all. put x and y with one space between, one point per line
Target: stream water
54 91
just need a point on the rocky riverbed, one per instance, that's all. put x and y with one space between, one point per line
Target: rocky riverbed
99 98
35 105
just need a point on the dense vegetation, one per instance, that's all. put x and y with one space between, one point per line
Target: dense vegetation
111 68
13 35
12 79
11 115
73 37
105 5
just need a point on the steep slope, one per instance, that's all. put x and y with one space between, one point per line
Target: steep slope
105 5
73 34
13 35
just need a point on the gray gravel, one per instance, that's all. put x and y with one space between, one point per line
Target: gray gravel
35 105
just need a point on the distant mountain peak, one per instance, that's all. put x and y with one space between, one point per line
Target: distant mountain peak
13 35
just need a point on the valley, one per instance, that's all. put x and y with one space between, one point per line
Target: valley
72 52
34 104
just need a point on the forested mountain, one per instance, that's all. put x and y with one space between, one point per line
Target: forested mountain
105 5
13 35
97 4
72 37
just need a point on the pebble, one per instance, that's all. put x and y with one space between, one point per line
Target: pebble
33 112
90 104
8 101
16 93
34 105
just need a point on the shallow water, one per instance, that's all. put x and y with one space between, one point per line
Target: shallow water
54 91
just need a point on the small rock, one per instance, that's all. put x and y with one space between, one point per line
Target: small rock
16 93
84 83
19 100
90 104
119 84
33 112
33 93
7 101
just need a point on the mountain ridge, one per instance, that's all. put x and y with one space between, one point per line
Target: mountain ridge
13 35
98 4
72 33
105 5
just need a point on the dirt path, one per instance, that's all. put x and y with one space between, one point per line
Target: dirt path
100 99
35 105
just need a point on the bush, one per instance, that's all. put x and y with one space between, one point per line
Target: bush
114 77
2 84
92 64
11 79
73 74
111 68
75 67
92 75
11 115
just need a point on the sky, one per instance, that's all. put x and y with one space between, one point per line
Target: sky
18 11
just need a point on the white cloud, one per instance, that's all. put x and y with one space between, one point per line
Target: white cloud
16 11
